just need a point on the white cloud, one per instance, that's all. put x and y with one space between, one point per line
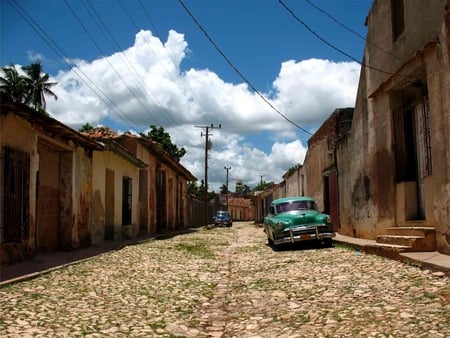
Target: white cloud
143 85
309 90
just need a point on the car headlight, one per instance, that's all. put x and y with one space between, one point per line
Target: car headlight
280 226
328 219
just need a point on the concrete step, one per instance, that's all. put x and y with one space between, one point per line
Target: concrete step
417 238
411 230
391 251
398 240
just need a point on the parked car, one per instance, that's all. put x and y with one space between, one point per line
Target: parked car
297 219
223 217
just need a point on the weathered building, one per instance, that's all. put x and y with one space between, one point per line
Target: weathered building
395 165
241 209
116 185
295 181
46 184
163 202
321 163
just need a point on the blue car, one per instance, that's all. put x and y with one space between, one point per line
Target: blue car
223 218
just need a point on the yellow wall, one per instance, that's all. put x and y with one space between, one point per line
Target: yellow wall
17 133
107 160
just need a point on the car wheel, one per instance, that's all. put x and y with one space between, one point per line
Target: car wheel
327 242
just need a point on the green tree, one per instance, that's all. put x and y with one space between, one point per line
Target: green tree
12 84
160 136
86 128
246 189
263 186
223 189
192 188
37 86
29 88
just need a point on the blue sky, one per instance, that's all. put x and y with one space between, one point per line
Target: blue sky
129 64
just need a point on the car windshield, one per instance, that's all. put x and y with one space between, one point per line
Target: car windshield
222 213
296 205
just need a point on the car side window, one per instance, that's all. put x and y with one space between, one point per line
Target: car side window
272 210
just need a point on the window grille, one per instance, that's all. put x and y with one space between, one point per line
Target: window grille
16 195
412 145
127 185
422 113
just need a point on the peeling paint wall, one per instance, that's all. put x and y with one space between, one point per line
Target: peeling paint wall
108 171
18 134
372 198
82 196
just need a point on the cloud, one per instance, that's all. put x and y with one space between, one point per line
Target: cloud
144 85
309 90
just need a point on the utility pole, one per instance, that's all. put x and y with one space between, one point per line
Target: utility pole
207 146
227 183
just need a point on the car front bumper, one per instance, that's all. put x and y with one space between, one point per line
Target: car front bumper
222 222
300 234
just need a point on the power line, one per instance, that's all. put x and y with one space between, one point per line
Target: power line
237 70
171 57
157 103
334 47
107 33
349 29
101 51
55 47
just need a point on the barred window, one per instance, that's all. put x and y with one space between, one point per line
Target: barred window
412 144
127 193
16 195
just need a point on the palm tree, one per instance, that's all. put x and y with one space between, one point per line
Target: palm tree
12 84
37 86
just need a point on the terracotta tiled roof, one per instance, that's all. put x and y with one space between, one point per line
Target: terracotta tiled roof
239 202
101 132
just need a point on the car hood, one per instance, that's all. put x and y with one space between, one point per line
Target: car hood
301 217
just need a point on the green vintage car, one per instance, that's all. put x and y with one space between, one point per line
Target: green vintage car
296 219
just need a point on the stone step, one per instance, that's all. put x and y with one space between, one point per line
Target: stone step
391 251
411 230
417 238
407 241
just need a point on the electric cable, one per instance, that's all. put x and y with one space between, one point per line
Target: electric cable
103 54
349 29
171 56
336 48
158 104
107 33
55 47
237 70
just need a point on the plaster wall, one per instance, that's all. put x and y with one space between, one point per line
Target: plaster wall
420 27
82 197
103 161
421 51
317 160
295 183
19 134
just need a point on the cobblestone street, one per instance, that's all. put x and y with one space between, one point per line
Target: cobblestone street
227 282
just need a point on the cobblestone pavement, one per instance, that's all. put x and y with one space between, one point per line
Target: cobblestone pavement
226 282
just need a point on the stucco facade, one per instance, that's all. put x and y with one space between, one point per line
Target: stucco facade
163 197
395 164
44 206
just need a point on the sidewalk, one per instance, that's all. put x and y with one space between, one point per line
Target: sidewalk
43 263
434 260
46 262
